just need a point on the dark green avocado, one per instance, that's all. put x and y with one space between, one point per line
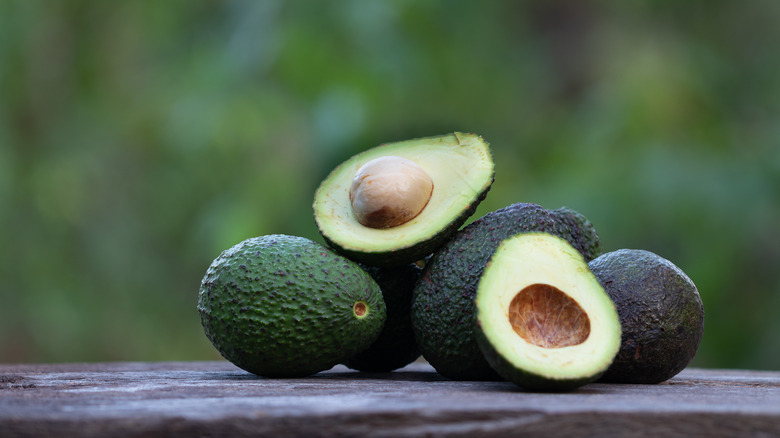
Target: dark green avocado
572 223
443 298
285 306
661 313
458 169
395 347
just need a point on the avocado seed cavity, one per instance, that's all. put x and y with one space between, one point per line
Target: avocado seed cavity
545 316
389 191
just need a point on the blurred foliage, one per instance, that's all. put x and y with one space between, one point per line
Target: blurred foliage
138 139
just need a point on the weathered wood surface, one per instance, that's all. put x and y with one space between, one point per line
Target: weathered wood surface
191 399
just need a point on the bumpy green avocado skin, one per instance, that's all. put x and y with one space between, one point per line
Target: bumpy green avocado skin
282 306
583 236
395 347
660 311
420 250
443 298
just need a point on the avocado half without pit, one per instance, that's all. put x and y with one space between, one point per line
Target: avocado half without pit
396 203
443 299
543 321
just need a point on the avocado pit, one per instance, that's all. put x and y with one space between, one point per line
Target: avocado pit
389 191
547 317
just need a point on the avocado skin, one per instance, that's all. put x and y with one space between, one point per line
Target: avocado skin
443 298
584 238
395 347
660 311
420 250
281 306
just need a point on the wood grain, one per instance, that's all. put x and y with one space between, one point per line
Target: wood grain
216 399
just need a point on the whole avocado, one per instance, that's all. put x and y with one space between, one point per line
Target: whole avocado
661 314
443 298
285 306
395 347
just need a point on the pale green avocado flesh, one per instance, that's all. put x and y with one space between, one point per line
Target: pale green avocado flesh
542 318
462 170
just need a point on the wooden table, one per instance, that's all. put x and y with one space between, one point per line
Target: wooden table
191 399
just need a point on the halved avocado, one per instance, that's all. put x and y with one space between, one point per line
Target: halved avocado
461 171
543 320
443 299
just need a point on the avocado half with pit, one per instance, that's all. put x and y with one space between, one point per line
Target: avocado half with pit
543 320
396 203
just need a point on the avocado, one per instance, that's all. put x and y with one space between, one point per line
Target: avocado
661 313
394 204
395 347
286 306
442 301
542 319
572 223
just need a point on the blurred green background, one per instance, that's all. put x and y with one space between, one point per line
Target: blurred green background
138 139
